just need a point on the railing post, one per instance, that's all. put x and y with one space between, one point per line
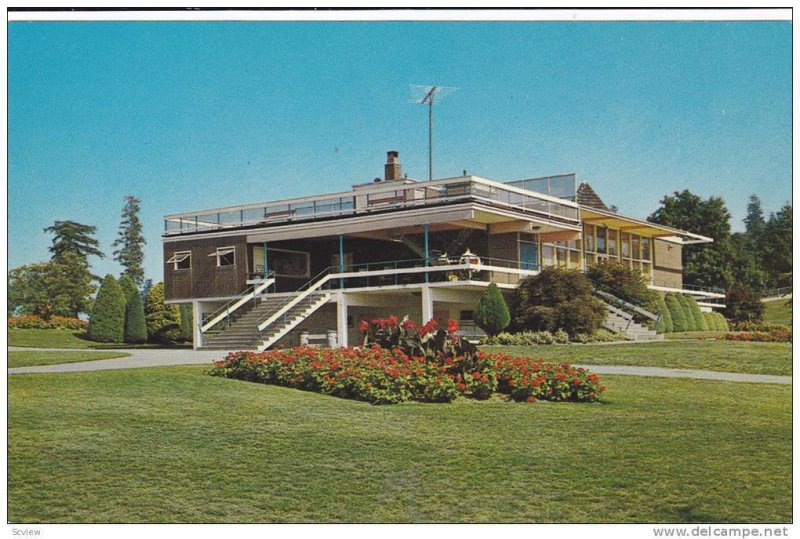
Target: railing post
427 255
341 260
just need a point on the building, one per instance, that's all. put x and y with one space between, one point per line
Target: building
310 268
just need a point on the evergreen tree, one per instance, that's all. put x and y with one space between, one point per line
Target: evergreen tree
664 324
73 237
135 326
711 322
107 323
754 221
676 313
776 244
492 314
697 314
130 241
685 301
158 315
128 286
721 322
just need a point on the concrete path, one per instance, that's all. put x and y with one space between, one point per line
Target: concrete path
161 358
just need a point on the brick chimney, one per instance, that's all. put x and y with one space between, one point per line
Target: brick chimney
393 169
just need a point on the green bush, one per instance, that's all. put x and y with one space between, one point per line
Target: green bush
659 306
722 322
491 314
711 321
107 323
557 299
685 302
625 283
135 327
56 322
679 322
743 304
163 321
533 338
185 312
699 319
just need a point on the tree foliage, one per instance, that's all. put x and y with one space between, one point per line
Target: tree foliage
130 241
625 283
185 312
686 305
107 323
73 237
61 287
679 322
492 314
743 304
135 326
664 323
557 299
160 317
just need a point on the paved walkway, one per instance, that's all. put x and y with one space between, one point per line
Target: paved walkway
161 358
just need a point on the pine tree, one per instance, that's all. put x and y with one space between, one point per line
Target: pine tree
135 326
754 221
492 314
130 241
107 323
158 315
72 237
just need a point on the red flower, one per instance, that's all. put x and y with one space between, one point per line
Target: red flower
408 324
531 399
392 320
476 375
452 326
363 326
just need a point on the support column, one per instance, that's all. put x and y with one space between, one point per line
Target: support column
197 318
266 271
427 254
341 260
341 319
427 304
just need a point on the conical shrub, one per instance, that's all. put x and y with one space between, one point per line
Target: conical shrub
107 323
697 314
685 301
679 323
492 314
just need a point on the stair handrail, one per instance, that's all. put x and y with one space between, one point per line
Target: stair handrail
310 286
631 306
229 308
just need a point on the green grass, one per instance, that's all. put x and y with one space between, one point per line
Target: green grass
58 338
726 356
27 359
695 335
175 445
778 312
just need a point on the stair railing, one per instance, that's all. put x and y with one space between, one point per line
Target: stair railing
307 289
635 308
224 312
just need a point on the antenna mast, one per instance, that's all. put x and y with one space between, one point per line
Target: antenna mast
426 94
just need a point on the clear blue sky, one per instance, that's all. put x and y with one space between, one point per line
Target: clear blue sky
190 116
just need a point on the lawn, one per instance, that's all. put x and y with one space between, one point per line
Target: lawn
695 335
778 312
726 356
173 444
27 359
59 338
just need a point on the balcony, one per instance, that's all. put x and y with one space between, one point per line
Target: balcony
382 197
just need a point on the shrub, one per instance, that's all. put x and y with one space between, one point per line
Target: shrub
711 321
163 321
185 312
107 323
699 319
625 283
664 323
135 327
491 314
55 322
679 322
757 326
722 322
533 338
686 306
601 335
743 304
557 299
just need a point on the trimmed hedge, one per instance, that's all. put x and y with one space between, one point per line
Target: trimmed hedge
664 325
679 323
688 312
55 322
711 321
107 323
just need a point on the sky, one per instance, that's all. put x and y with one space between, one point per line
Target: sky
189 116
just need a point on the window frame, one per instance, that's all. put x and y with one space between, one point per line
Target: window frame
187 255
223 251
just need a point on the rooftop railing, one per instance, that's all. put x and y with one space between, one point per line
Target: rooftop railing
384 197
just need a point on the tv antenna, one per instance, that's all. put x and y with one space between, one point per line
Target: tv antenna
428 94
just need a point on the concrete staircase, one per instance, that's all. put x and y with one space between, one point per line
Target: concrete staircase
621 322
243 333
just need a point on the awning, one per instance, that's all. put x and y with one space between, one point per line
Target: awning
597 217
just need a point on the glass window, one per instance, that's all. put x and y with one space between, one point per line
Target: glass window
226 256
561 255
528 255
290 263
548 256
601 240
646 248
612 242
625 244
635 254
181 260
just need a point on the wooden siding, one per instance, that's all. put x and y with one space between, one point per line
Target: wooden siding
205 279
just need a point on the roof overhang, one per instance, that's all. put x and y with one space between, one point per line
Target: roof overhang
594 216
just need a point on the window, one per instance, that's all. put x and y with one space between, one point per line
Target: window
528 255
612 243
625 243
601 240
286 263
465 316
226 256
588 238
645 248
181 260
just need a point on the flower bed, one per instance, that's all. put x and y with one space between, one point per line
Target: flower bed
436 367
775 335
56 322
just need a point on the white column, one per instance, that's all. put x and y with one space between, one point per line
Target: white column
197 318
341 319
427 304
